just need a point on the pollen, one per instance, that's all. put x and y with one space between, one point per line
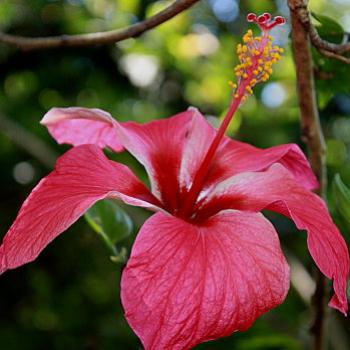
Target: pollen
256 54
232 85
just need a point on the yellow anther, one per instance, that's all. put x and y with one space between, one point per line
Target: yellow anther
249 89
256 57
265 77
248 63
232 85
247 39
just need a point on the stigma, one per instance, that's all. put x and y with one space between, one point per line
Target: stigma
257 55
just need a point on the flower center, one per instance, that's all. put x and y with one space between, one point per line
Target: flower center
257 56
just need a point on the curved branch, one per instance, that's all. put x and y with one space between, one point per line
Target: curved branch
338 57
27 44
325 47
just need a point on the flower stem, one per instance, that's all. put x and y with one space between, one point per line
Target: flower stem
313 137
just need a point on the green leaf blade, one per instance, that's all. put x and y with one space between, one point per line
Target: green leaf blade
341 195
109 221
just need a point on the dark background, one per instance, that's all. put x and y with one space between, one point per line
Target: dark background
69 298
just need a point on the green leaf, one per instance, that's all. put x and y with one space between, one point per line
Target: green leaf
110 221
341 194
332 75
329 29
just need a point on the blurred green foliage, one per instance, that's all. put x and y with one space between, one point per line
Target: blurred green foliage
69 298
341 195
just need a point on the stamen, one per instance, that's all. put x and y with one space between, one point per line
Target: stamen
256 54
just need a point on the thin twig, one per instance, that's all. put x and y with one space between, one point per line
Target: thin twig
113 36
313 137
28 142
325 47
330 54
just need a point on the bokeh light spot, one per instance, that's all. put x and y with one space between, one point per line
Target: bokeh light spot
225 10
142 70
23 173
273 95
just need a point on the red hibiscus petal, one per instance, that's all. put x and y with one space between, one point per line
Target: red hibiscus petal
233 157
276 190
82 176
185 284
79 126
158 145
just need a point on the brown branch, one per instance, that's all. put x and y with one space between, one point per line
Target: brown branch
325 47
113 36
330 54
313 137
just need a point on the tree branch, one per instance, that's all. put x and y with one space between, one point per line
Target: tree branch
113 36
312 135
331 54
325 47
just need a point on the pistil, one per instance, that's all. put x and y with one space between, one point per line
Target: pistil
256 55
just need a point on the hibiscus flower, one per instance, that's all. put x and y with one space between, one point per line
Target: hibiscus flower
207 263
